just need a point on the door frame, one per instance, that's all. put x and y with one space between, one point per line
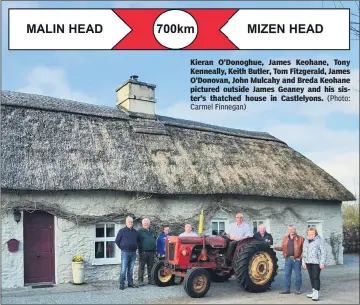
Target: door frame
52 260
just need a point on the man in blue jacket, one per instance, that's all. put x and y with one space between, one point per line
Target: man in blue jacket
127 240
161 241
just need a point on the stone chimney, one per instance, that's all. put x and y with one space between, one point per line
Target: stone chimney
137 97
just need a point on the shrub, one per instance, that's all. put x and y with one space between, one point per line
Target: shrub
351 240
350 214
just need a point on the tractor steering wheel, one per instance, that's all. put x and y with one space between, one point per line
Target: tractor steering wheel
225 235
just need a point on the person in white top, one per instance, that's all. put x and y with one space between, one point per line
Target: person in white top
238 231
188 231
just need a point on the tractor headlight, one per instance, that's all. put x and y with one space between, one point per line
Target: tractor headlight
184 252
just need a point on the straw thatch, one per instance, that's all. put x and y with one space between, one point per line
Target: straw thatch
54 144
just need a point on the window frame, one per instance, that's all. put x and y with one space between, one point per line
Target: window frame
105 261
218 220
318 225
266 222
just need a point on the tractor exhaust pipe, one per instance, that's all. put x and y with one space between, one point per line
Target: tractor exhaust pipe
203 256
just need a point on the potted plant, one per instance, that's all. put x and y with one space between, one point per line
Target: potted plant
78 269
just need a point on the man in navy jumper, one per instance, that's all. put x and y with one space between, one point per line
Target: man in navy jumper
127 240
161 240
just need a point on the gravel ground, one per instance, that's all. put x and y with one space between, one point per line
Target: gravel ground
340 285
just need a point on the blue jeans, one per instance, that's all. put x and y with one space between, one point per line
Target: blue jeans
127 265
291 264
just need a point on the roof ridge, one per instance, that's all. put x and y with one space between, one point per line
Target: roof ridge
48 103
259 135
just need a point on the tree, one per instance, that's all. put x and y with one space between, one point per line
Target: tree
354 15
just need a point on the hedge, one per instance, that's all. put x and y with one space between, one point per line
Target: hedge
351 239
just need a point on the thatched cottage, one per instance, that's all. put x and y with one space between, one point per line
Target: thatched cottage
72 171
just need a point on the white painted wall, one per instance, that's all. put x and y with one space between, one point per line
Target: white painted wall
79 240
12 267
71 240
330 214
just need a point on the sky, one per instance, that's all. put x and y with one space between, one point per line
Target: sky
326 133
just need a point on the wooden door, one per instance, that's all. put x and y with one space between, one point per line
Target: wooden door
39 254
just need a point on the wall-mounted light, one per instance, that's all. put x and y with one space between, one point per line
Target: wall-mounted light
17 215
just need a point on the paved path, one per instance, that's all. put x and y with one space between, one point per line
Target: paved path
340 284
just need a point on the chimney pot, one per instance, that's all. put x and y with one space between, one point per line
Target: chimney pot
134 77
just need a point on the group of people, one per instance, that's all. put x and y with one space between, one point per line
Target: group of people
145 241
298 251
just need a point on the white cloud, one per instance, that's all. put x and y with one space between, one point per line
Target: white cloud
53 82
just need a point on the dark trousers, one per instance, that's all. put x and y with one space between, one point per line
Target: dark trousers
290 265
231 249
127 267
314 274
146 258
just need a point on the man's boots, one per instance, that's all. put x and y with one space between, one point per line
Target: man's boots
315 296
141 282
311 294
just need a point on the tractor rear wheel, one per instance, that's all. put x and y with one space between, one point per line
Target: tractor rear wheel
160 277
256 267
197 282
217 278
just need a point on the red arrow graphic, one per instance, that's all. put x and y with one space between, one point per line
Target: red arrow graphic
141 21
210 21
209 36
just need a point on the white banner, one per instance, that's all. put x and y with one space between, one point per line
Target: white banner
65 29
289 29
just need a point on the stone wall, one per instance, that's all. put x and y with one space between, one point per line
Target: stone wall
71 239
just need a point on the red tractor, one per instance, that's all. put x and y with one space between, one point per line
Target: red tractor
200 260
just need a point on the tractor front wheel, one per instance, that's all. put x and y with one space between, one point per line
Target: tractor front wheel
256 267
159 275
197 282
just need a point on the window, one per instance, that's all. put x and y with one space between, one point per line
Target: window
256 224
105 248
317 224
217 227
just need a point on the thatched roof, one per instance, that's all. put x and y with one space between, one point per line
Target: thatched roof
54 144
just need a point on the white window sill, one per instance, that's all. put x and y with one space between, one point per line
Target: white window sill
104 262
